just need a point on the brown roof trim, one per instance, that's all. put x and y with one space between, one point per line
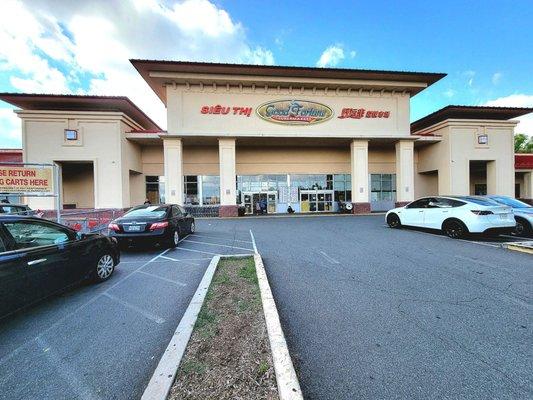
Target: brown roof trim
145 66
70 102
469 112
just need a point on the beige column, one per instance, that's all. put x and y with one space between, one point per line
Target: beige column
359 170
500 177
527 191
228 199
173 166
405 171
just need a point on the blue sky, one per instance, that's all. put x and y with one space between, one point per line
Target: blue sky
61 46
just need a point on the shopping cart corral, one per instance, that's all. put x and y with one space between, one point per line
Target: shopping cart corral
87 220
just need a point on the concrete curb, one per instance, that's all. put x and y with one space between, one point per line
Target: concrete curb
163 377
286 379
521 247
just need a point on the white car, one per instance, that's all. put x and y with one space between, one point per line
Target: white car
454 215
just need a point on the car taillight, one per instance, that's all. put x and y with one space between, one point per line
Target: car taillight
158 225
482 212
113 227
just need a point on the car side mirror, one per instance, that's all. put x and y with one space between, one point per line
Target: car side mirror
80 236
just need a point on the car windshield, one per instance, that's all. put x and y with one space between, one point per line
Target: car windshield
148 212
509 201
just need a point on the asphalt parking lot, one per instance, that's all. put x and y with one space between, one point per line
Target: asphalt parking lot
104 341
375 313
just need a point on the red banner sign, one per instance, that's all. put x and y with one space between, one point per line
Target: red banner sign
358 113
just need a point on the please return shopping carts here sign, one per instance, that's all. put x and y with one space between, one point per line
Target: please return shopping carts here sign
30 180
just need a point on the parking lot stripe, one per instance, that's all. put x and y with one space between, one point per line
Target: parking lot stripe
163 278
197 251
253 241
144 313
220 245
77 310
220 237
59 365
173 259
331 260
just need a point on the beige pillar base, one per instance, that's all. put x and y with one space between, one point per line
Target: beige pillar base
228 211
361 208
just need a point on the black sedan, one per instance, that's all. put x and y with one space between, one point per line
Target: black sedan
165 224
39 258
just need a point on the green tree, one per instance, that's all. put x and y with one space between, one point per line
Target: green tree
523 143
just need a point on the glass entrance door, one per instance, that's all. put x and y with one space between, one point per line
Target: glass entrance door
260 202
316 200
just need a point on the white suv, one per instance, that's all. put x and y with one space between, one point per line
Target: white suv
454 215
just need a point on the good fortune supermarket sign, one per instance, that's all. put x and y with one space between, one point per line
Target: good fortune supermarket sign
26 180
294 112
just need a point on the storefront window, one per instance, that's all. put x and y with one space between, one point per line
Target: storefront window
155 189
383 187
210 190
191 190
342 186
312 182
201 190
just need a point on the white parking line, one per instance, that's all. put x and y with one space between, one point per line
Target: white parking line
253 241
79 388
173 259
144 313
9 355
220 245
163 278
220 238
197 251
331 260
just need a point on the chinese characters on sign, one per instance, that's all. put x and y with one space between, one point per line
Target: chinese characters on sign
26 180
358 113
223 110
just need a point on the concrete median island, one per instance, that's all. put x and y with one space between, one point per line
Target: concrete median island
228 355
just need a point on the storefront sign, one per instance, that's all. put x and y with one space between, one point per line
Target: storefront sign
225 110
294 112
358 113
26 180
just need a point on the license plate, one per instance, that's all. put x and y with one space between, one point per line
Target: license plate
134 228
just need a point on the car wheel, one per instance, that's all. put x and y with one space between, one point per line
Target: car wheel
105 266
394 221
174 239
193 227
522 228
454 229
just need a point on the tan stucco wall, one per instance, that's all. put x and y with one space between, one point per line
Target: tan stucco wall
185 119
204 160
452 156
426 184
101 141
78 184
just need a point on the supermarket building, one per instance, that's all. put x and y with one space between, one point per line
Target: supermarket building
242 135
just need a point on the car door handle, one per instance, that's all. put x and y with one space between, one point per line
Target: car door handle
38 261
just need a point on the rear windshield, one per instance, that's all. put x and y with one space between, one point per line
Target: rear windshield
478 200
509 201
148 212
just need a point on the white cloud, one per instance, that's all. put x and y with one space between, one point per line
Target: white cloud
496 78
331 56
64 46
353 53
10 131
517 100
469 75
449 93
